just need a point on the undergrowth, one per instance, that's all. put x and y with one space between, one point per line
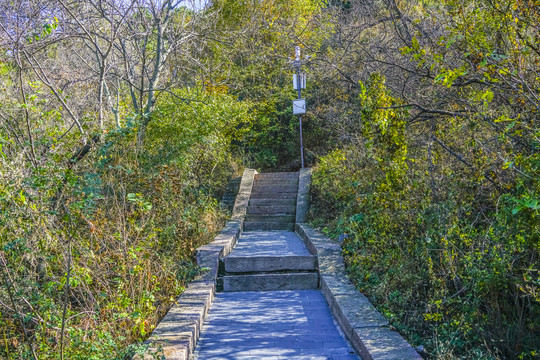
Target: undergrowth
92 258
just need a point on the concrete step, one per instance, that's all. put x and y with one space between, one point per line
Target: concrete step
276 202
273 195
276 182
269 282
278 175
262 226
273 189
259 264
270 218
270 210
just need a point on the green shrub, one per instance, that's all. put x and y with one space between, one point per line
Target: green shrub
126 223
453 265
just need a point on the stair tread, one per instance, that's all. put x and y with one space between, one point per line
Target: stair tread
270 218
263 225
269 282
254 264
276 175
272 210
273 190
277 202
273 195
282 182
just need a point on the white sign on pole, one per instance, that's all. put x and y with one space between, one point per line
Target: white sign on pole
302 81
299 106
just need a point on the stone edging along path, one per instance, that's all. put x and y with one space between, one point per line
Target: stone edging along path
364 326
176 336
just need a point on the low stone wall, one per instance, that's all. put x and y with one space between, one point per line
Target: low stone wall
244 193
176 335
364 326
303 197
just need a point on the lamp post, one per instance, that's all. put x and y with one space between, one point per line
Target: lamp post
299 105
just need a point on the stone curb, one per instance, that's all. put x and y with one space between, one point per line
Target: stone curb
302 197
244 193
176 335
364 326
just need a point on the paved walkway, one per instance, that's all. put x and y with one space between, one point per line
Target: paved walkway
286 324
272 325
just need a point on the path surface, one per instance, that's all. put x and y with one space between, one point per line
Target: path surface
269 243
277 324
294 324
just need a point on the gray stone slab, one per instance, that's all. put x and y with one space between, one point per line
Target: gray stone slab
270 282
261 325
355 311
244 194
273 195
277 175
266 189
232 227
383 344
264 202
247 264
176 347
269 243
178 331
267 226
271 209
277 181
270 218
337 285
303 197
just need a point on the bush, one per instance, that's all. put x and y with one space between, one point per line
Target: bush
112 243
450 260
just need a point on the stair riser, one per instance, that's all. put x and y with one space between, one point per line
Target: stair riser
271 210
267 226
283 175
274 195
272 202
276 182
271 218
270 263
270 282
273 189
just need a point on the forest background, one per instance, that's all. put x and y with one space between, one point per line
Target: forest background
121 123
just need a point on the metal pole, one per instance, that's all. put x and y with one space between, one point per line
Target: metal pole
299 85
301 142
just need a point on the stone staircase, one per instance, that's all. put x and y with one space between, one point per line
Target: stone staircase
268 260
266 308
272 205
269 255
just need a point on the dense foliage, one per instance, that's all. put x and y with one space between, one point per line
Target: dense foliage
261 37
110 174
121 233
122 121
434 190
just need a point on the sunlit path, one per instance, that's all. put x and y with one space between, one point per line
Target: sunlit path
294 324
